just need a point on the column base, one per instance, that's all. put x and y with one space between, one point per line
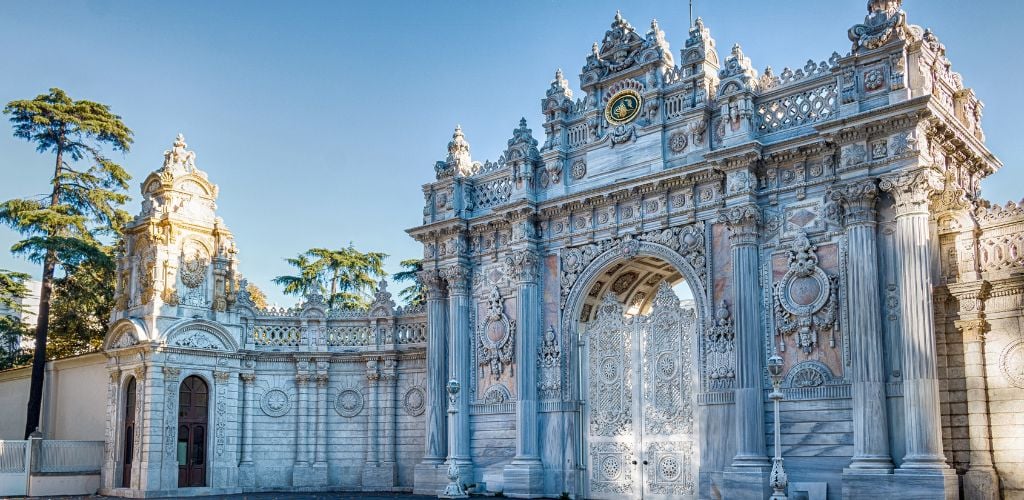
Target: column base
246 475
379 476
981 484
746 483
303 475
869 465
524 479
429 477
867 484
925 484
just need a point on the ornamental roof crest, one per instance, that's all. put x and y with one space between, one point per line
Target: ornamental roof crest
179 160
522 146
624 49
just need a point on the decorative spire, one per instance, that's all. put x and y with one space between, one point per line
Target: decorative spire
885 21
178 159
459 159
559 86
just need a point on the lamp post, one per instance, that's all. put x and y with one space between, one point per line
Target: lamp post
454 488
778 478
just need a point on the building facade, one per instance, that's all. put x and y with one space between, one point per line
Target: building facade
830 215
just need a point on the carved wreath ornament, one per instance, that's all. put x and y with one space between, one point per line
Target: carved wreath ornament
496 338
805 298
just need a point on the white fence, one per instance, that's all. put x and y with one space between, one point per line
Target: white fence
35 467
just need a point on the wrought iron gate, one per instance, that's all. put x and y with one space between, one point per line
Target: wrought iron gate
640 384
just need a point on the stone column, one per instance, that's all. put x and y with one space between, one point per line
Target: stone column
387 413
372 429
247 473
301 475
429 476
524 477
870 426
320 450
920 375
461 341
981 482
743 222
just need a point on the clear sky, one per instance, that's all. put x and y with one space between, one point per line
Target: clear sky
321 120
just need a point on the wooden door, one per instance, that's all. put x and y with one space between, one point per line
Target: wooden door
128 439
193 411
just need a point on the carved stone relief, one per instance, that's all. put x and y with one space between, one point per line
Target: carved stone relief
805 298
496 337
349 402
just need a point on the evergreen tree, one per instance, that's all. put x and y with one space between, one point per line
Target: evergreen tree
351 275
12 289
259 299
304 282
65 229
414 294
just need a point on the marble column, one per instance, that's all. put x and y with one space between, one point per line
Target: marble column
524 476
461 341
246 467
430 473
870 426
920 375
743 222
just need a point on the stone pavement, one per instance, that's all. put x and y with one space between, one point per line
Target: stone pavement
290 496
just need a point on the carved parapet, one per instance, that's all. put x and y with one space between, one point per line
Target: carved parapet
523 266
858 200
911 191
742 222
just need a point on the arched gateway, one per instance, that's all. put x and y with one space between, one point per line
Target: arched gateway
829 215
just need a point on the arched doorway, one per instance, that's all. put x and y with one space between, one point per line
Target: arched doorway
193 410
128 433
638 373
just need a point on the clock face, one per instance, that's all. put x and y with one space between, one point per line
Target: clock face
623 107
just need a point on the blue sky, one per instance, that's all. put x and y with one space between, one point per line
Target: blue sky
321 120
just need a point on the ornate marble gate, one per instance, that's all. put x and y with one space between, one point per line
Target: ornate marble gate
640 388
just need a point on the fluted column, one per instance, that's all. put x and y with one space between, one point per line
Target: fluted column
870 426
247 382
437 367
920 375
743 222
460 340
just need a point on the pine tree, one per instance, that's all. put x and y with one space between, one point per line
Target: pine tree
66 228
350 274
414 294
12 289
306 279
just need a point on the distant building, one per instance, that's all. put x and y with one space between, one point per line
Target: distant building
28 314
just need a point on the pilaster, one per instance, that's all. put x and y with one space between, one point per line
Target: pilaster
320 475
302 471
246 467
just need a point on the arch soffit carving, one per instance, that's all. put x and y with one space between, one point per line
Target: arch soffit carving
188 325
120 328
578 294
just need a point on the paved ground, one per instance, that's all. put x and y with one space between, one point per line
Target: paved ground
290 496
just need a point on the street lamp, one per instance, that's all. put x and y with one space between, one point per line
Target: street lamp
454 488
778 478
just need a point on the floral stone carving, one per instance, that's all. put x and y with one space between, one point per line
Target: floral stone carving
415 401
496 336
549 365
275 403
349 403
805 298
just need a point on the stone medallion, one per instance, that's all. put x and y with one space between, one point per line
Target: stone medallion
623 107
415 401
349 403
275 403
1011 362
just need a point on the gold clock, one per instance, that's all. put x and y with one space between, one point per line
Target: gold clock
623 107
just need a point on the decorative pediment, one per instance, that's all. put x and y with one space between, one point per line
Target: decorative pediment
383 304
200 335
124 333
624 49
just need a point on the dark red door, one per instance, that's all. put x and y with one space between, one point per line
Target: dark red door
129 434
193 405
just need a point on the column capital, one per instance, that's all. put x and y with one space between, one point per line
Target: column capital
171 372
523 266
248 378
372 369
322 379
911 190
973 330
139 372
221 376
301 378
858 199
742 221
458 278
433 283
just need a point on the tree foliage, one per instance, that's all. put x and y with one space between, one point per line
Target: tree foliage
413 294
259 299
12 289
346 276
71 228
